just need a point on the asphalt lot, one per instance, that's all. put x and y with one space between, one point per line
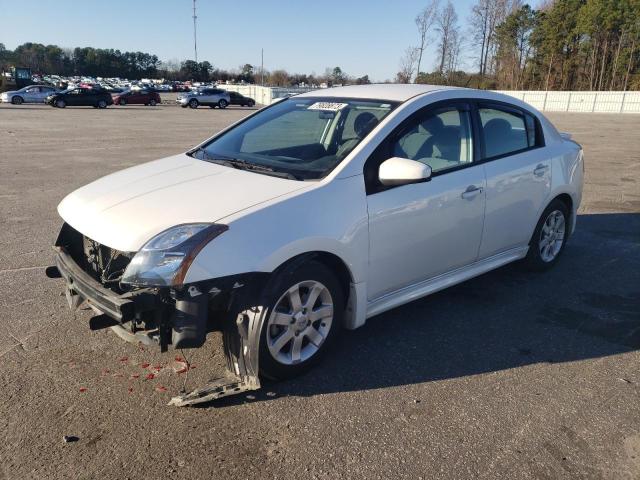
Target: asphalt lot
509 375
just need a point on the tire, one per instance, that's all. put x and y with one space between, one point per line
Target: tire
251 104
549 238
277 358
61 103
222 104
193 103
17 100
212 106
122 102
152 103
102 104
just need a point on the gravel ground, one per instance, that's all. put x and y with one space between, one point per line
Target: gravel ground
509 375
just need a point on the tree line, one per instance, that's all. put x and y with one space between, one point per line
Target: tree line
562 45
97 62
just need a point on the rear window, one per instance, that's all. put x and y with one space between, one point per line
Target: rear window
505 131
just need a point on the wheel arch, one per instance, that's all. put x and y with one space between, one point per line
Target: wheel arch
354 293
329 260
564 197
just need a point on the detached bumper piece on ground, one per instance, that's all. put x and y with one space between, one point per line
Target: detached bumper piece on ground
170 317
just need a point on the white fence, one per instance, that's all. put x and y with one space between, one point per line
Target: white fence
599 102
264 95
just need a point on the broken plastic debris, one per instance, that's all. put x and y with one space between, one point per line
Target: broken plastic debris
161 389
70 438
135 375
83 389
150 376
144 365
179 359
124 359
130 390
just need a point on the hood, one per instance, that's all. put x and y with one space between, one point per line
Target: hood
127 208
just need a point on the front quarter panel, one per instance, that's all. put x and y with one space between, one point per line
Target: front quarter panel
330 218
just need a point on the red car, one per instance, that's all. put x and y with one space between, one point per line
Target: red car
136 97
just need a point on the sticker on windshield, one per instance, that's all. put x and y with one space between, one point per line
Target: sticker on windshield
327 106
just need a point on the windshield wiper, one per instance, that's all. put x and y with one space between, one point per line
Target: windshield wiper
244 165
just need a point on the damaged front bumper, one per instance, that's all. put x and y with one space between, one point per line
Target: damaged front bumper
179 317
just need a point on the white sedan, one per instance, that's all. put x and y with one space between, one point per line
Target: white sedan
316 213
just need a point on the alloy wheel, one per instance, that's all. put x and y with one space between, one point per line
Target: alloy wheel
300 322
552 236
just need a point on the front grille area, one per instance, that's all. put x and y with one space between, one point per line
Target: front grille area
104 264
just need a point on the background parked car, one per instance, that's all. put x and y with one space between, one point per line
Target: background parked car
212 97
80 97
29 94
239 99
137 97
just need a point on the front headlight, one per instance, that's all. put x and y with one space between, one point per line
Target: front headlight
165 259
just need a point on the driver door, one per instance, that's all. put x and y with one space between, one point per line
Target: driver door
422 230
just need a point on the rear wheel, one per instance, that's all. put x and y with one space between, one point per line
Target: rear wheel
61 103
152 102
251 104
102 104
222 104
549 237
303 317
193 103
17 100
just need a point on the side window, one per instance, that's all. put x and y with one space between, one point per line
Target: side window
440 138
504 131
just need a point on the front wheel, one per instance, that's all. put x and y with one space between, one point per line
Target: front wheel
17 100
102 104
60 103
303 317
222 104
193 103
549 237
152 103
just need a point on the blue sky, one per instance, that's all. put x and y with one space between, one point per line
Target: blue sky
362 37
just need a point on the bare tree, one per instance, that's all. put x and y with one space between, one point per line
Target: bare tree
446 25
486 15
424 21
407 65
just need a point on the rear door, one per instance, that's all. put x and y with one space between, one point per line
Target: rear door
518 176
44 93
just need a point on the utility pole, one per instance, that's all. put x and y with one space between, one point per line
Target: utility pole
195 42
262 67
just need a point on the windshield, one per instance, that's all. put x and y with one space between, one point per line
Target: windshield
302 137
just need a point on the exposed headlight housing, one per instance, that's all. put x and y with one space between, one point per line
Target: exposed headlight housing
164 260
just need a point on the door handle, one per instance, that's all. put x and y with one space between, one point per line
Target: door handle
540 170
471 192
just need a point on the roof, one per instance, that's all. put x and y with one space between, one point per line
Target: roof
384 91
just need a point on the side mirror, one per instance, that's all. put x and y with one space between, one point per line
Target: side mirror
402 171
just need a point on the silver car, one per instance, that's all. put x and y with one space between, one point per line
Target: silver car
211 97
28 94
